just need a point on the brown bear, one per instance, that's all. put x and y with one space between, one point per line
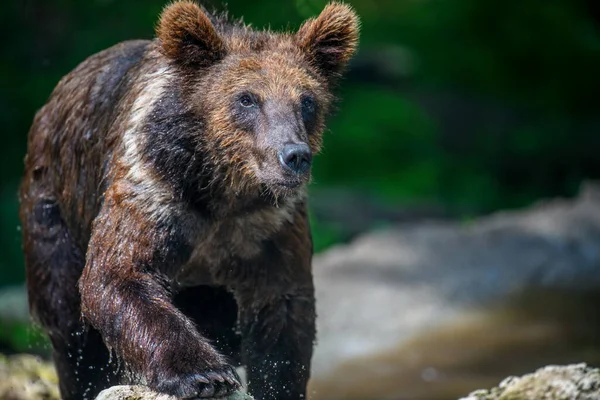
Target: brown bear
164 207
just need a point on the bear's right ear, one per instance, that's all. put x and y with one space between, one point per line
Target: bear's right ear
331 38
188 36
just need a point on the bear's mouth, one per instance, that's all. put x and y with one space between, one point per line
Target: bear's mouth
282 187
281 182
288 184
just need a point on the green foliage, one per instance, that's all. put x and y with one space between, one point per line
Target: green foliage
392 144
21 337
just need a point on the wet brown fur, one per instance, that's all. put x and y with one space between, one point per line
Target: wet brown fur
154 225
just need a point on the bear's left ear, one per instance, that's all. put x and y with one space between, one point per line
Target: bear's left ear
331 38
188 36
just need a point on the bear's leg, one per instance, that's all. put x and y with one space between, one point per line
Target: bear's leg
278 331
214 311
127 296
54 264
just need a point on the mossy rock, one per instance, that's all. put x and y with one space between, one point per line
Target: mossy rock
26 377
571 382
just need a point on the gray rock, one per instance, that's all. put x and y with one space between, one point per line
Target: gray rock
131 393
571 382
143 393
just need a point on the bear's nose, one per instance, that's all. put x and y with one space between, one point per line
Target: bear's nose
295 157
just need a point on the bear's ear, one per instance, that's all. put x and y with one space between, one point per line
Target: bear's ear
331 38
188 36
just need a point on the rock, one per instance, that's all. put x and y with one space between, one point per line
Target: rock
143 393
25 377
131 393
549 383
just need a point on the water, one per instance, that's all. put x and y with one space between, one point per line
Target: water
478 350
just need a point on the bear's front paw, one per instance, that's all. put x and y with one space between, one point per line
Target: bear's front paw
217 382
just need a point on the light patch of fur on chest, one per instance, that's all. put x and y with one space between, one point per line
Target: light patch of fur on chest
237 237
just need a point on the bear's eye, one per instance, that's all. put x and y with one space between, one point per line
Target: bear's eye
308 104
246 100
308 107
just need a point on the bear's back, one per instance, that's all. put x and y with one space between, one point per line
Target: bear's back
73 136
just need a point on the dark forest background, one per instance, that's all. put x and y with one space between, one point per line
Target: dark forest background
461 107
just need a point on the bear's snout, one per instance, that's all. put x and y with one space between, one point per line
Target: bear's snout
295 157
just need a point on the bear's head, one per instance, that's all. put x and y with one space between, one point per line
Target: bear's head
263 96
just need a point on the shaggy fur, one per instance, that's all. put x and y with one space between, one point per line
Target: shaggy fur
162 221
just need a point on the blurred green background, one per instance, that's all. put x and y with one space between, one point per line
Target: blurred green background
460 107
